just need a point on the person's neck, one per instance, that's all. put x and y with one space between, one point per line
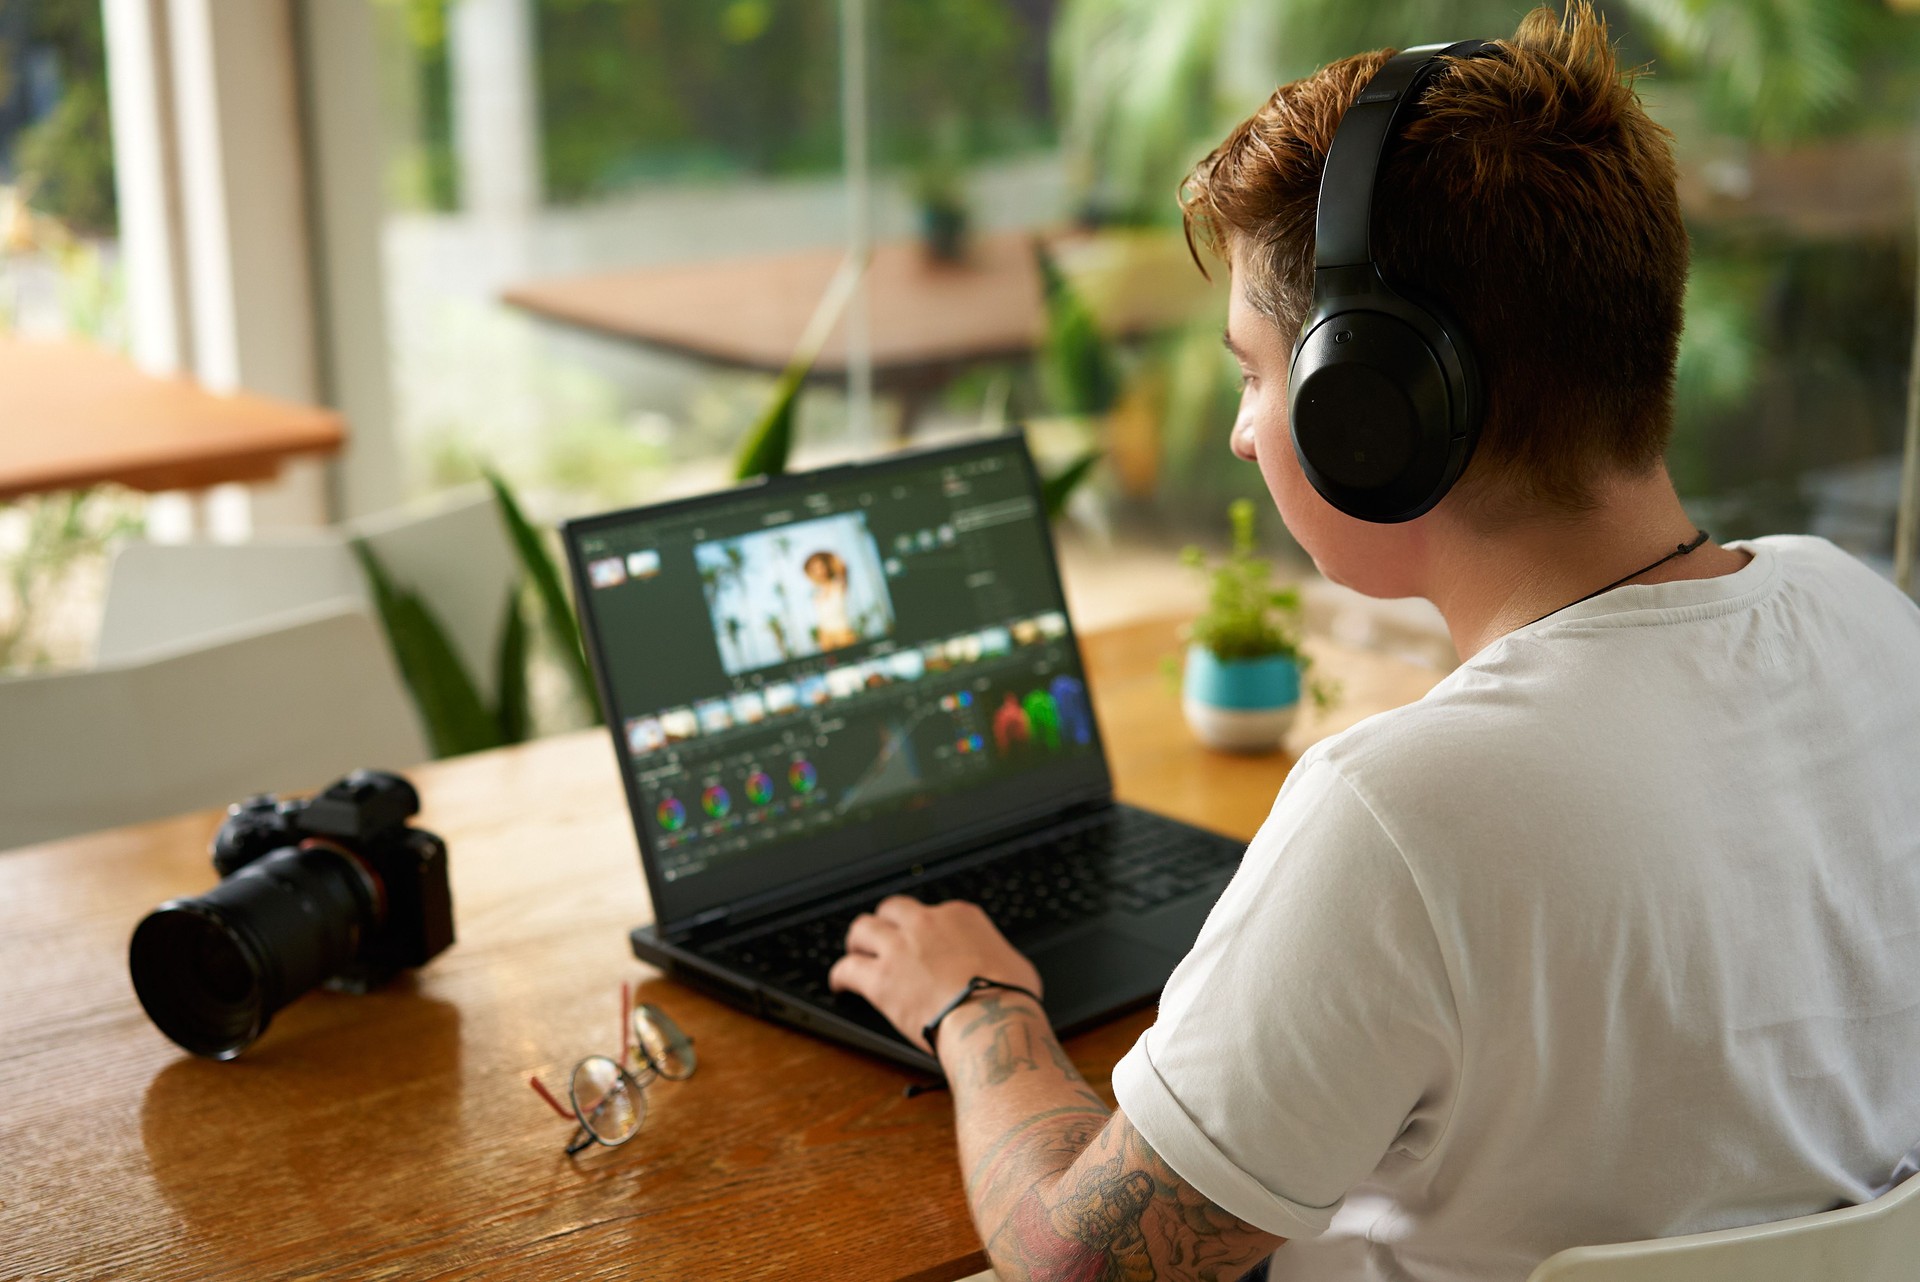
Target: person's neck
1489 584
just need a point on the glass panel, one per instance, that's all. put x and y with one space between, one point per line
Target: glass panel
541 143
59 256
60 277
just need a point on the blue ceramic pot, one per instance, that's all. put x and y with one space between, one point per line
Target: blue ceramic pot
1241 705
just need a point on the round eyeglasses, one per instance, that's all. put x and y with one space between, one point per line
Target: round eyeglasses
609 1095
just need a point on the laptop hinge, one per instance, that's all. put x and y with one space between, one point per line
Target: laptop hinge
707 923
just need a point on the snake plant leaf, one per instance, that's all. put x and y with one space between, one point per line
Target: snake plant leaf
558 611
457 719
514 711
1057 490
769 445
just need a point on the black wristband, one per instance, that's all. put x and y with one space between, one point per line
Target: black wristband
974 985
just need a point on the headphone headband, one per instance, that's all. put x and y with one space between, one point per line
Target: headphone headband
1383 392
1343 226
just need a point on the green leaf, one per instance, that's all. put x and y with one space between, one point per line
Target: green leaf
514 711
1076 363
558 611
769 445
457 719
1058 490
1246 616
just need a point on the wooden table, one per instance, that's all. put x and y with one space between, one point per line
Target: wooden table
928 319
74 415
393 1135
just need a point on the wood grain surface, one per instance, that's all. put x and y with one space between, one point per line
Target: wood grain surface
393 1135
77 415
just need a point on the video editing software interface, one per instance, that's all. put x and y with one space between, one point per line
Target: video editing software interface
794 666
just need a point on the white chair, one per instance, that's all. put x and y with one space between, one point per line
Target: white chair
452 551
289 704
1878 1241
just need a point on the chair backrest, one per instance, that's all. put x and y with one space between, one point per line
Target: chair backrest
455 552
289 704
1878 1241
161 596
452 551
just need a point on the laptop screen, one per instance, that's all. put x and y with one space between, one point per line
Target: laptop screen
814 680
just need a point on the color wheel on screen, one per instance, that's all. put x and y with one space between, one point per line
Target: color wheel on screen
802 776
716 801
759 788
671 814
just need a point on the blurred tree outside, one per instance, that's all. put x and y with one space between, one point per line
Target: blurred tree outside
59 274
647 91
56 142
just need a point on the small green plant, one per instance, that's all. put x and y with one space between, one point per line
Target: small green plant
1247 617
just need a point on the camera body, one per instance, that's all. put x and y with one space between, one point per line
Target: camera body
362 817
336 889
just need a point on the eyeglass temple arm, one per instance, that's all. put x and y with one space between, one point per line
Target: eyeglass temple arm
540 1089
582 1137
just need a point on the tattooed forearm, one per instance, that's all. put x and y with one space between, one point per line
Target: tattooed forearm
1059 1186
1012 1051
1013 1038
1121 1213
1045 1144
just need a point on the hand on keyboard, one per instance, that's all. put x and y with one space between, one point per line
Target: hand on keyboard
909 959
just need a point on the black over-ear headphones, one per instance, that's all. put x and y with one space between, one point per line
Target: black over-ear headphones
1384 396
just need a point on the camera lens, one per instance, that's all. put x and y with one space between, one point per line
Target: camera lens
212 971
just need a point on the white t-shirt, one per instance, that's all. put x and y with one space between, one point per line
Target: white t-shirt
1614 935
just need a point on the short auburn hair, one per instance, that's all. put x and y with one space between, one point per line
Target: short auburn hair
1532 197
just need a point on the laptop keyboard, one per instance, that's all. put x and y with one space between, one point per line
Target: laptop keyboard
1127 860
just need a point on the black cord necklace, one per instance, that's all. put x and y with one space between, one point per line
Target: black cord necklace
1699 537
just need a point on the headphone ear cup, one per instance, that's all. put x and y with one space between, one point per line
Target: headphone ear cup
1378 419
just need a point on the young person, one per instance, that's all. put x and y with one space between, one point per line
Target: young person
1615 934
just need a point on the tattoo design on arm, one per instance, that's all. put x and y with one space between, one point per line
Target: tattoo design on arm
1022 1042
1121 1214
1073 1191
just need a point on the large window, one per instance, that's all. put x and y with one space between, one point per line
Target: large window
623 133
615 134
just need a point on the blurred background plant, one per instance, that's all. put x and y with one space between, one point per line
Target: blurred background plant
53 553
457 717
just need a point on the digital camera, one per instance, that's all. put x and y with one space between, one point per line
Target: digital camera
335 889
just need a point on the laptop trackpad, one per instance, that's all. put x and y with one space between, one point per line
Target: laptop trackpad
1087 976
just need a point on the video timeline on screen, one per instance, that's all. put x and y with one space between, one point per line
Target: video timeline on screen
837 683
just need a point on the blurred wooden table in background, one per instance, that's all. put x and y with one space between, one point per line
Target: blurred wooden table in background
929 320
393 1135
73 415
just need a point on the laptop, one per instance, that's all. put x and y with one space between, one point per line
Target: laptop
840 685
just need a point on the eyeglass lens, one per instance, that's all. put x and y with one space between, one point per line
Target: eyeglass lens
661 1042
609 1102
